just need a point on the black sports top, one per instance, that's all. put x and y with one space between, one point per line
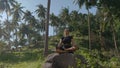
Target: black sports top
66 43
67 40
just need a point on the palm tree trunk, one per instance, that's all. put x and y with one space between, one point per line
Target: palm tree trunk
89 34
100 36
16 42
114 37
9 28
47 29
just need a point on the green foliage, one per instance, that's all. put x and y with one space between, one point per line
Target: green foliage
26 59
95 59
26 29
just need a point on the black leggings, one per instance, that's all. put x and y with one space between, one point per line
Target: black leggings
63 47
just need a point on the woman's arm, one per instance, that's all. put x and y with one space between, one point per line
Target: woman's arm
74 47
73 43
60 43
58 50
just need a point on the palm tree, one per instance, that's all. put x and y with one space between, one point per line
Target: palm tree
55 22
29 27
47 29
75 20
27 16
112 13
65 18
101 22
114 35
88 4
41 11
1 31
111 21
17 12
6 31
5 5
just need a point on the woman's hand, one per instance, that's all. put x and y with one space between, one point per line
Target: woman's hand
60 51
73 48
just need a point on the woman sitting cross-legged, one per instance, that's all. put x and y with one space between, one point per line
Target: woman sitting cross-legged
66 44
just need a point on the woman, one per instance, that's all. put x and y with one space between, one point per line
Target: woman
66 43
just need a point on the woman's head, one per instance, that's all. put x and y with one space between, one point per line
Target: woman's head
66 32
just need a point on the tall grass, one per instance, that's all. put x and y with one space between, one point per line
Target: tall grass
26 59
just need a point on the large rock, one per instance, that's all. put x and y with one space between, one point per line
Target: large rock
55 60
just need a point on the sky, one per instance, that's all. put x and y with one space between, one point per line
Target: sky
56 6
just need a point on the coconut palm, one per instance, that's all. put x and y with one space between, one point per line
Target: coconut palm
111 13
17 12
100 21
6 31
44 18
41 13
75 20
88 4
30 26
5 5
47 28
1 31
64 16
111 22
55 22
27 16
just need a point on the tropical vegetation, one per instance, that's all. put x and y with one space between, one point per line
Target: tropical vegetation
97 35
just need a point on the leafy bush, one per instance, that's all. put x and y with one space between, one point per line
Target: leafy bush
95 59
